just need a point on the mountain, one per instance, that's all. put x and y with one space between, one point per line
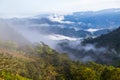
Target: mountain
85 46
77 23
104 49
111 40
45 26
108 18
40 62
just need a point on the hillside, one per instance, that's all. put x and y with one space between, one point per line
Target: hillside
22 60
111 40
42 63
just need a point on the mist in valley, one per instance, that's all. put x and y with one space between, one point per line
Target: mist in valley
26 34
59 40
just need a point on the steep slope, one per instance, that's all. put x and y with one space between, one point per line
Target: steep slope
104 49
111 40
42 63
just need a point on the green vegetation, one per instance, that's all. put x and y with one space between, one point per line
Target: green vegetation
42 63
111 40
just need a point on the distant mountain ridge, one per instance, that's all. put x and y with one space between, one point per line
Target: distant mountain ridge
108 18
76 24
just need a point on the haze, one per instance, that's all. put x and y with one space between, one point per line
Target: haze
24 8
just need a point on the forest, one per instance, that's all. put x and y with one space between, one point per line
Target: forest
40 62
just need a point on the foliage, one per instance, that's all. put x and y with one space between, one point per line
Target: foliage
40 62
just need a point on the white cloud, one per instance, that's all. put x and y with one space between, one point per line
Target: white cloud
61 37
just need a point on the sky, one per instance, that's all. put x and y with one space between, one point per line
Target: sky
22 8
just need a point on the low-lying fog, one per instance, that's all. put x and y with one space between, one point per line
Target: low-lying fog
25 34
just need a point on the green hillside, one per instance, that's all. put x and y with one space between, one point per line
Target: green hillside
39 62
111 40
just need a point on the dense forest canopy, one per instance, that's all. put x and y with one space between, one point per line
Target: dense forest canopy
40 62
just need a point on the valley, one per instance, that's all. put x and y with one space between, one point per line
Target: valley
77 46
